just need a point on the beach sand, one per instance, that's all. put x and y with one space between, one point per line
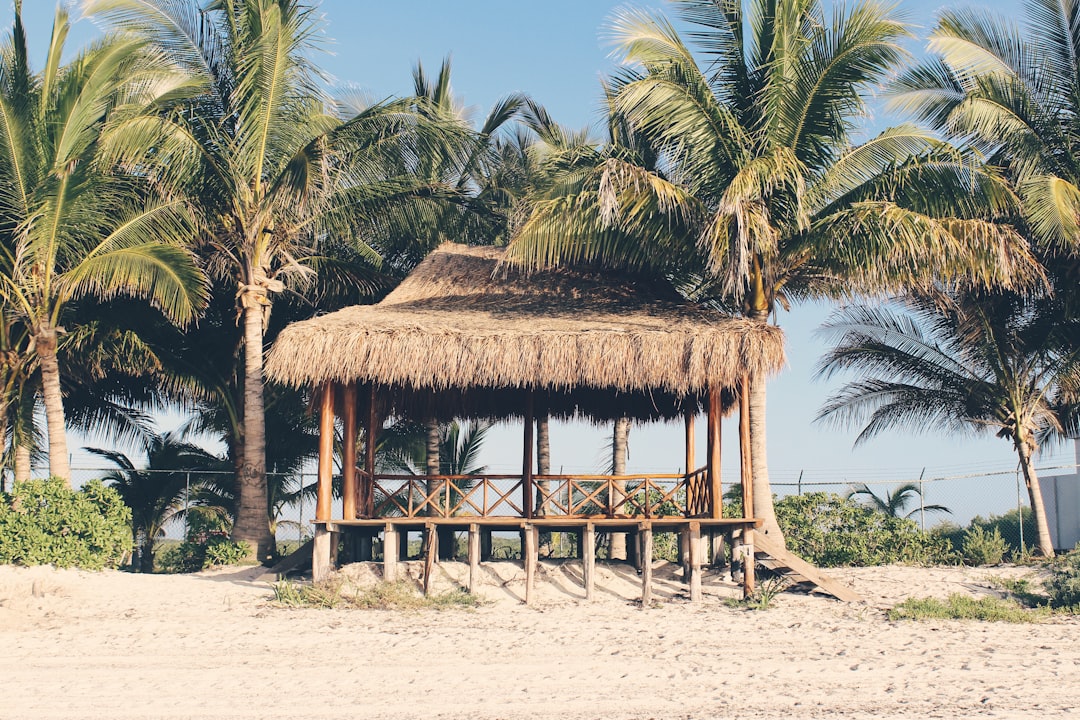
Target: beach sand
76 644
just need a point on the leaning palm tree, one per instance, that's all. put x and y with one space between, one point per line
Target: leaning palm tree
896 500
278 169
973 364
74 222
758 196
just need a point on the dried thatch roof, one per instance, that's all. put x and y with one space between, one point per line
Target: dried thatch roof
462 319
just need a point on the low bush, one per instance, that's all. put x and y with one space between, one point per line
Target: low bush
983 547
45 522
334 592
201 551
830 530
1063 585
962 607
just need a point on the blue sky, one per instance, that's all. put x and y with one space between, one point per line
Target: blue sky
555 51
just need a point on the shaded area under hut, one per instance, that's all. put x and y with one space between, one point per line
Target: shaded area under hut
466 335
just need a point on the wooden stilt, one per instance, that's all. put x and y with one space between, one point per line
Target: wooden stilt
364 548
371 432
321 554
474 556
588 559
403 544
390 552
716 549
748 562
530 556
715 488
432 553
646 534
349 490
527 459
485 546
684 553
324 490
695 562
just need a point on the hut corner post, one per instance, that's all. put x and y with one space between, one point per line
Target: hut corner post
716 490
324 539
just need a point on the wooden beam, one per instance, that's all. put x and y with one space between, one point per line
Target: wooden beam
527 459
645 531
390 551
348 452
325 490
588 559
695 561
784 557
432 553
321 564
371 433
532 537
474 557
746 468
715 487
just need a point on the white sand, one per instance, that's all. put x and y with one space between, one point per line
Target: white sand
112 645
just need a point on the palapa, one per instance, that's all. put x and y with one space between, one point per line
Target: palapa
466 322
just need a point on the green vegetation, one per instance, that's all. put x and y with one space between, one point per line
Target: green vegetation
45 522
763 595
831 530
980 547
962 607
336 593
201 551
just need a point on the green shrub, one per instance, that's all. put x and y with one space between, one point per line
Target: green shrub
200 551
1007 526
335 592
830 530
982 547
45 522
962 607
1063 585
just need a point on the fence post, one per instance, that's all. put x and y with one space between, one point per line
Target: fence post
800 482
922 500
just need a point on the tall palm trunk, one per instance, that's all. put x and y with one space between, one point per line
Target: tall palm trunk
1038 509
252 524
52 396
434 464
543 462
619 441
759 456
22 462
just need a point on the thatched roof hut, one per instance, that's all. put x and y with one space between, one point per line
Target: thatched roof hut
466 334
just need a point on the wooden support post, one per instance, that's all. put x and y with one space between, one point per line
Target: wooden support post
715 487
746 468
432 537
527 459
403 543
324 491
321 563
348 452
748 562
390 552
645 531
588 559
691 502
485 545
474 556
695 562
530 555
371 432
684 553
716 547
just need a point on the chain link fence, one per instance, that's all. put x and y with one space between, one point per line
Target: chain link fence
936 502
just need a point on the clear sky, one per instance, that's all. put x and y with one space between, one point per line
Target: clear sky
555 51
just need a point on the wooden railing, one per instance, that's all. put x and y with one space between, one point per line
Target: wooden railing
555 496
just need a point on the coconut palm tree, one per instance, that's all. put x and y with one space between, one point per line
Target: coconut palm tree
759 196
278 168
896 500
74 222
974 363
157 493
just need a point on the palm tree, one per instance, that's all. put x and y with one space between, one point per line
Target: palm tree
757 196
974 364
157 493
278 170
74 222
896 501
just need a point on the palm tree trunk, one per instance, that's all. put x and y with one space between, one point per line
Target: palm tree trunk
52 396
543 462
146 554
252 525
619 442
1038 509
22 462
